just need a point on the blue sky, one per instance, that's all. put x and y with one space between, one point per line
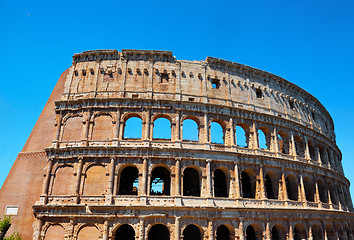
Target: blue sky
310 43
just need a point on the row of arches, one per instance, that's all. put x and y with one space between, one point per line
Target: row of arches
161 231
159 181
191 128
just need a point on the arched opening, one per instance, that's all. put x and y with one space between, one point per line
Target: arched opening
248 184
216 133
220 185
322 191
162 129
129 181
64 177
190 130
330 232
299 232
278 232
160 182
250 233
317 232
88 233
191 232
291 187
55 232
133 128
159 232
263 138
222 233
312 150
241 136
191 182
125 232
299 146
333 195
271 186
283 142
309 189
102 128
96 181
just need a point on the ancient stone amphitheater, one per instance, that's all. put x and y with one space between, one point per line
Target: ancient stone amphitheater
245 154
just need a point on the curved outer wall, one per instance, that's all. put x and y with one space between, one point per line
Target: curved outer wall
291 186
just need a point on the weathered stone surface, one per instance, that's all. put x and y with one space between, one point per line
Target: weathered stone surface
85 177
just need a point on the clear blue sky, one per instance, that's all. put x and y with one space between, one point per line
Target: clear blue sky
310 43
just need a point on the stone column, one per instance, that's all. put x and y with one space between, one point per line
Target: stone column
293 146
86 129
267 232
254 135
178 178
177 228
37 235
177 132
307 150
240 230
319 160
302 192
211 229
310 233
317 193
105 231
78 177
275 142
291 235
117 132
232 133
261 189
209 180
284 187
142 229
47 178
206 129
58 127
144 178
237 181
111 176
147 125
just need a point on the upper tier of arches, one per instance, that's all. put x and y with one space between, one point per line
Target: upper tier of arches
158 75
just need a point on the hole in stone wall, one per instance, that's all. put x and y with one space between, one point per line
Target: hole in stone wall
133 128
125 232
129 181
191 182
190 130
162 129
191 232
160 182
215 83
220 186
217 133
259 93
164 77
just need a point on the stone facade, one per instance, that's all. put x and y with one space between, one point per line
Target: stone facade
274 173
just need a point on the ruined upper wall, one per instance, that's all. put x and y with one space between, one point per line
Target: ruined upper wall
150 74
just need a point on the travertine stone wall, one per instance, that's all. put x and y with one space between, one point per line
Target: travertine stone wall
291 188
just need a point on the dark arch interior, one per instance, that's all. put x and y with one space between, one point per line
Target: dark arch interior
159 232
160 182
246 186
316 232
125 232
250 233
129 179
275 233
291 188
299 233
191 232
309 189
269 187
191 185
222 233
220 186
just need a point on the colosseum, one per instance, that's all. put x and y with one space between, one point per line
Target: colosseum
137 145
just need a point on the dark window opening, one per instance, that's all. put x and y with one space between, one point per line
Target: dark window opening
275 234
313 116
215 83
164 78
191 183
246 186
125 232
250 233
309 189
159 232
129 181
259 93
92 71
191 232
160 182
269 188
299 232
84 72
220 186
291 188
222 233
76 73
